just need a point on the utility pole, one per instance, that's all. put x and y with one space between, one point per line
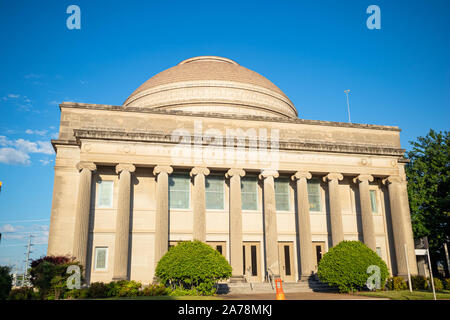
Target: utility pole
27 260
348 105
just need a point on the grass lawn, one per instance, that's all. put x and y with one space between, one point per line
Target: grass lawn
406 295
165 298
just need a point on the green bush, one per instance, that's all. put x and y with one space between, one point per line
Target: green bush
446 283
97 290
155 290
130 289
178 292
5 282
438 286
49 275
396 283
419 282
193 265
345 266
23 293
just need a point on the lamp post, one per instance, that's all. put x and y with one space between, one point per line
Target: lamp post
348 105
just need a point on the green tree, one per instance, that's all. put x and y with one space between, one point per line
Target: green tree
5 282
428 190
193 266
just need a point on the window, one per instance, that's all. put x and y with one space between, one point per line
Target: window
282 194
105 190
249 193
214 194
179 191
314 195
379 252
373 200
101 258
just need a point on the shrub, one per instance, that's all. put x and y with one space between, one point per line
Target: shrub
5 282
130 289
345 266
155 290
438 286
48 274
178 292
446 283
396 283
23 293
419 282
193 265
98 290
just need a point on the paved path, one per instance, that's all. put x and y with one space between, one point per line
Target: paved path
298 296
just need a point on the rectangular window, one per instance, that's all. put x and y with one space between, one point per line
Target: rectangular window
105 191
214 194
282 194
379 251
314 195
249 193
179 191
101 258
373 200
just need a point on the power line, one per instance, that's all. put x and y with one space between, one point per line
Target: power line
32 220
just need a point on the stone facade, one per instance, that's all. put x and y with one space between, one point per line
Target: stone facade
139 146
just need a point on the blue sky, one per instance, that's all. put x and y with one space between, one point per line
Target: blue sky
312 50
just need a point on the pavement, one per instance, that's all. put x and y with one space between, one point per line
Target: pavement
298 296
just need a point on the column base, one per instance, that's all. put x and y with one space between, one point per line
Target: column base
237 279
119 278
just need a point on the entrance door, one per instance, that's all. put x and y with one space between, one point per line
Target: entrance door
251 261
286 260
319 251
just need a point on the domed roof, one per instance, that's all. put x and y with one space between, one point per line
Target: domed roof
212 84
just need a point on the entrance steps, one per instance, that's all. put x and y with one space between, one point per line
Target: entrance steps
266 287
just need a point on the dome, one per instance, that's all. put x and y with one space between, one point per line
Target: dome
210 84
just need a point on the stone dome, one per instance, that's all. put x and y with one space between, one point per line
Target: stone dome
210 84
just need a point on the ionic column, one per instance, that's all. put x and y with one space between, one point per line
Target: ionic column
123 221
162 211
408 228
236 260
399 225
81 233
270 220
366 210
337 229
304 225
199 203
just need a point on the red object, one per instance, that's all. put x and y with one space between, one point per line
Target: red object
280 293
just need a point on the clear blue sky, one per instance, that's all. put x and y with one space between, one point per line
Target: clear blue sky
312 50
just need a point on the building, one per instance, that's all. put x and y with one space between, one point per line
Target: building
213 151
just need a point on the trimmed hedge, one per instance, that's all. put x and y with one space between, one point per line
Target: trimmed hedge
396 283
193 265
345 266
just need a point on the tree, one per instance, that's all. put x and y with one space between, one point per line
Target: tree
348 266
5 282
428 190
193 266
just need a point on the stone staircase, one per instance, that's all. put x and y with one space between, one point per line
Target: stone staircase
266 287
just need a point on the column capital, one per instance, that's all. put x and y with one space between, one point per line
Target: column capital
301 175
125 167
392 179
333 176
158 169
199 170
363 178
86 165
268 173
234 171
